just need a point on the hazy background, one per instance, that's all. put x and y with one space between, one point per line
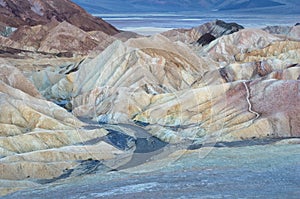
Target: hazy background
250 6
151 16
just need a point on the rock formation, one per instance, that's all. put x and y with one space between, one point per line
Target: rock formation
15 78
225 48
164 102
38 139
216 29
291 32
206 39
58 38
36 12
61 39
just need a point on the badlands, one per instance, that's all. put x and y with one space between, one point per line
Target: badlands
79 97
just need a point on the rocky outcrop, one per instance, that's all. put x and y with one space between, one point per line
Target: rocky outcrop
33 35
242 117
287 32
221 103
13 47
280 30
205 39
36 12
294 33
60 39
223 28
153 69
186 36
225 48
40 140
67 38
216 29
55 38
15 78
286 51
51 29
161 61
5 31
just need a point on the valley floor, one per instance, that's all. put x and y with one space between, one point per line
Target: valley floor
261 171
152 23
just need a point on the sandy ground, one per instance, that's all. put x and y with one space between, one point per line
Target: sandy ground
258 171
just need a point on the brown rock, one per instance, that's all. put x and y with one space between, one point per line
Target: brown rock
33 35
280 103
67 38
184 35
215 28
14 78
60 39
18 13
263 68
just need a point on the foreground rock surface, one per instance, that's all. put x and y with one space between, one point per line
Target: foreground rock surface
38 136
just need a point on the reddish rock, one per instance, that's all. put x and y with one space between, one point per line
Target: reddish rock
33 35
280 102
14 78
62 39
263 68
18 13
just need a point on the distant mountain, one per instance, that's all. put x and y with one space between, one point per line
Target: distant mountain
125 6
248 4
108 6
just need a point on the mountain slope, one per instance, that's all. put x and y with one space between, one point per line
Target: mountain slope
250 4
17 13
93 6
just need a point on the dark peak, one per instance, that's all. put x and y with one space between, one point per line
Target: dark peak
215 29
206 39
229 26
222 28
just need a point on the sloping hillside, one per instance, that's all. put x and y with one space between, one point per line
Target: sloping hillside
17 13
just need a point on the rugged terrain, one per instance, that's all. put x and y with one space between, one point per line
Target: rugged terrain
77 102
